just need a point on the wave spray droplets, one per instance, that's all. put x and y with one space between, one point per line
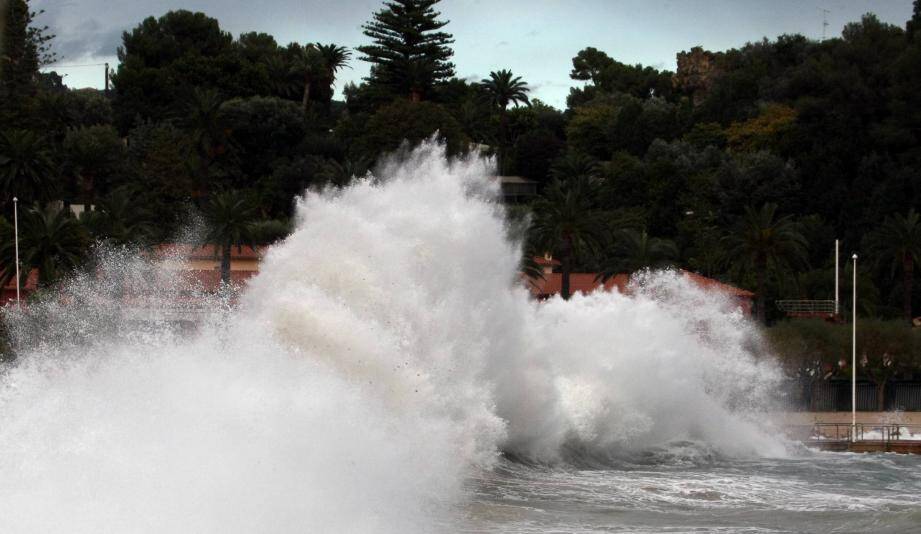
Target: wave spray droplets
386 352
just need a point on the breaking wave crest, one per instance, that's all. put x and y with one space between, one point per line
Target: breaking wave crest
386 349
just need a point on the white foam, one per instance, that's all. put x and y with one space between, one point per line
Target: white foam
385 349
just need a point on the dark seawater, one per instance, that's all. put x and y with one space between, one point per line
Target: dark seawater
812 492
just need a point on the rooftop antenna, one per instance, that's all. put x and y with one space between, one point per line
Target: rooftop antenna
825 13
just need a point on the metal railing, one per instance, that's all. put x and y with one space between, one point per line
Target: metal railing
878 432
807 307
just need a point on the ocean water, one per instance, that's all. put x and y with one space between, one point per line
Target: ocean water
809 492
387 372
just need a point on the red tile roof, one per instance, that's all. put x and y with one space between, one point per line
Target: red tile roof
710 283
546 262
207 252
552 284
29 282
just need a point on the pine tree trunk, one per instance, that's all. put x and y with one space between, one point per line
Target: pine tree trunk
908 273
415 95
762 312
306 100
504 139
225 264
87 189
881 395
566 261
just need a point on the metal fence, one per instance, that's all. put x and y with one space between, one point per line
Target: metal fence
835 395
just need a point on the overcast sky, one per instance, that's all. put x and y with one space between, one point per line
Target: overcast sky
536 39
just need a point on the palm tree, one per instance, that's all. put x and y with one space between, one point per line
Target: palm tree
764 244
898 241
281 83
310 65
120 218
340 174
50 240
335 57
229 215
91 150
576 166
634 250
567 223
503 89
26 166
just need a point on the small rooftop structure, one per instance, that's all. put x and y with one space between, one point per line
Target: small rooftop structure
516 189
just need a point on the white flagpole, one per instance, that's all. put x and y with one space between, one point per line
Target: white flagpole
16 239
854 355
837 300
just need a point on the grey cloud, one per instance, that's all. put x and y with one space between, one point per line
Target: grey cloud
88 39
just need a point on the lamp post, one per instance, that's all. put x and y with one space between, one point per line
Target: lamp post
854 354
837 255
16 242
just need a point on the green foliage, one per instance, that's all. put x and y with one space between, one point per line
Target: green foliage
610 76
93 157
160 154
121 218
809 349
27 170
587 130
163 60
264 131
229 217
765 245
634 250
50 240
534 153
406 121
23 49
768 131
505 88
566 222
898 243
269 231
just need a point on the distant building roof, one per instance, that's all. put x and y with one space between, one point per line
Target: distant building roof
27 282
710 283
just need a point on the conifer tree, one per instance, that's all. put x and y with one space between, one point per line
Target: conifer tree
23 49
409 54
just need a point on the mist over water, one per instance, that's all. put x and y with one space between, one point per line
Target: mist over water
386 354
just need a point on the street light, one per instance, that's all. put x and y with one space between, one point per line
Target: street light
16 242
854 354
837 300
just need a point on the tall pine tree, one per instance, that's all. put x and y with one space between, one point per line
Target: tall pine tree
23 49
409 54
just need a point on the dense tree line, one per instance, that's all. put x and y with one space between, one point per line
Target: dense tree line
742 165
